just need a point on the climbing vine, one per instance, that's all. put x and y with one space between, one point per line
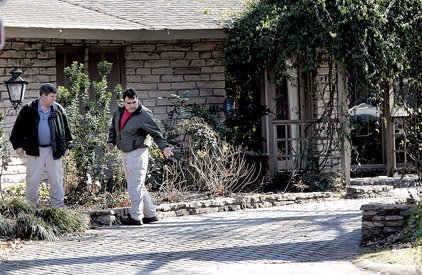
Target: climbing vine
375 43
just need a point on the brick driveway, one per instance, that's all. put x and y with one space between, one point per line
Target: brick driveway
281 240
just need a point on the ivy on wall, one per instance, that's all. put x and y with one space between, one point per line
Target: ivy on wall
376 41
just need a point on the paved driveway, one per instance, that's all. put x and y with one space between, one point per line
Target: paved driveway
311 238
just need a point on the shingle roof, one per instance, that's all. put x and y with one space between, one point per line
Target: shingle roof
117 14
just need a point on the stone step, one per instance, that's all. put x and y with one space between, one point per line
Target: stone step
376 191
369 191
397 182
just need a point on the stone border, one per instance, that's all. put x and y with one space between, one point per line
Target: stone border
113 216
380 220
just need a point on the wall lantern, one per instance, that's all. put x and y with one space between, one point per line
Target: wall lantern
16 88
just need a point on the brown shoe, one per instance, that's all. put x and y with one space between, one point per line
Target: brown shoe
149 220
130 221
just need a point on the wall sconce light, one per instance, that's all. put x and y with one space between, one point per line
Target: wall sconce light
16 87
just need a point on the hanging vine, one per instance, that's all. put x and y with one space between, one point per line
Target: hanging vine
374 41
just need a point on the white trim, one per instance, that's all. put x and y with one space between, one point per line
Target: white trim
293 99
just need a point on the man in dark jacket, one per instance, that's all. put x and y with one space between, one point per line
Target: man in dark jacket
41 132
129 129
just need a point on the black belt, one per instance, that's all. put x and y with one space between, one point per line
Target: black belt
45 146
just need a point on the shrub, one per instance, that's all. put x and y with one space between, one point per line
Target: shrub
203 160
20 219
219 170
414 225
89 166
62 220
11 208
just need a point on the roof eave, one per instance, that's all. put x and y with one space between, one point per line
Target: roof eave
103 34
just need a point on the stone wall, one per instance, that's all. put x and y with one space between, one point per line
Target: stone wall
381 220
113 216
161 68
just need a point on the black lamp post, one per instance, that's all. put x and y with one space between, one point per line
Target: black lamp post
16 88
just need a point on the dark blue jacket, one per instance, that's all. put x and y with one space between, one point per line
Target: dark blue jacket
25 131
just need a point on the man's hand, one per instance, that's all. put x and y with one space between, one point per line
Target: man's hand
168 152
20 152
110 146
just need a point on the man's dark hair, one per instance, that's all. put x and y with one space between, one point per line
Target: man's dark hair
48 88
130 93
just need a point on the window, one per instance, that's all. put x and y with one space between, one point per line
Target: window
112 55
65 56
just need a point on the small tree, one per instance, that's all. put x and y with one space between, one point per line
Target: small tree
89 118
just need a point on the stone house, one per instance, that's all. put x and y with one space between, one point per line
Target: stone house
159 48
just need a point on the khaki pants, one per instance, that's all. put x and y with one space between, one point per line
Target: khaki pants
34 174
135 166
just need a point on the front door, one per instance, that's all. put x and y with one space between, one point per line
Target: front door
282 127
300 134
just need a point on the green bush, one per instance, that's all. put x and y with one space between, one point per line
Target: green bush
11 208
62 220
414 225
29 226
20 219
88 107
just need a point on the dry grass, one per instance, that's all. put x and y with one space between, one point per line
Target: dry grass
402 256
396 249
